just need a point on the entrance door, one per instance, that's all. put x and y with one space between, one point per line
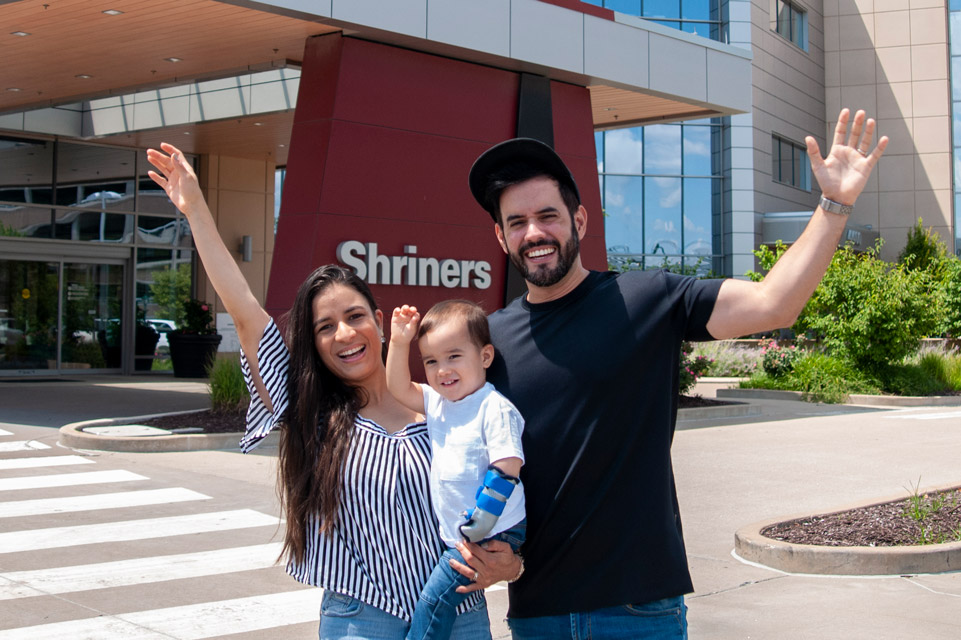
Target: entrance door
59 316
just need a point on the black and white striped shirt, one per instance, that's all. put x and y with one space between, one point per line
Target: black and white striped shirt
386 541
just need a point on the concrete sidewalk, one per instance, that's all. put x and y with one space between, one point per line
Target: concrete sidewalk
791 457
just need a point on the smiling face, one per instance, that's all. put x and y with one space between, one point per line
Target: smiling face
347 334
539 235
454 364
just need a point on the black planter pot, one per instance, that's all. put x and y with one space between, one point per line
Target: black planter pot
191 354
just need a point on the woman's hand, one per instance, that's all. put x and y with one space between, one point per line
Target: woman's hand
494 562
178 180
844 173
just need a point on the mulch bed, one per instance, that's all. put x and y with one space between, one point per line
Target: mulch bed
883 525
209 421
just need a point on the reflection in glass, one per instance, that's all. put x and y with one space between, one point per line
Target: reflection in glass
623 151
23 221
697 150
662 143
93 226
630 7
624 214
697 216
662 9
174 232
95 177
662 219
150 197
28 314
26 170
92 318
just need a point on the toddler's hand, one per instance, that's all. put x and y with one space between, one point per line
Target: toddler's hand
403 324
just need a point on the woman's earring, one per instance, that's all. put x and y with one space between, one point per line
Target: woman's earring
383 338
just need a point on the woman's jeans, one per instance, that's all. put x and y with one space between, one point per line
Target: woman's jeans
658 620
435 612
346 618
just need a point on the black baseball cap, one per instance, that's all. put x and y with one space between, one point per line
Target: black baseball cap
522 152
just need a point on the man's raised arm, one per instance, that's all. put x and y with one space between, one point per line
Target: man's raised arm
742 307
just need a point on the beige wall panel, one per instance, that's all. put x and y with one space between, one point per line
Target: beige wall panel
895 208
891 28
858 67
860 97
900 132
933 206
849 7
896 173
830 8
929 62
932 135
832 69
928 26
889 5
866 211
894 64
931 98
858 32
895 100
242 174
932 171
832 100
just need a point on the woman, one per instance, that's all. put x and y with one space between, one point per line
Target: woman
353 462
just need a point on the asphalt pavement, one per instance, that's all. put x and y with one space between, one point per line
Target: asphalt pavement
786 458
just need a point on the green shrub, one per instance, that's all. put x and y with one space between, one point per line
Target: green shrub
823 378
227 390
949 298
691 368
728 360
778 361
868 312
923 250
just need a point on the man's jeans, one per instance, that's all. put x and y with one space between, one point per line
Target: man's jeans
435 611
658 620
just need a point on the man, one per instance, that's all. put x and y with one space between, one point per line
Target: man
590 360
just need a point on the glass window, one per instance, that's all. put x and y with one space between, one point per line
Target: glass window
789 163
790 22
173 232
624 214
624 151
26 170
698 237
630 7
663 142
696 9
662 9
91 176
697 150
20 221
662 219
28 314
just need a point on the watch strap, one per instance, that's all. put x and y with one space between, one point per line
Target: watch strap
835 207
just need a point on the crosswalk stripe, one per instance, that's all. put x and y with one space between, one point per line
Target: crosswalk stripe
42 461
4 432
190 622
46 506
113 532
922 416
123 573
68 480
22 445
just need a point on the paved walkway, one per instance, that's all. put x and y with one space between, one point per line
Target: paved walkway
791 458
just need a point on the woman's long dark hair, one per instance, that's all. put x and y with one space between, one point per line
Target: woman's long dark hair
320 418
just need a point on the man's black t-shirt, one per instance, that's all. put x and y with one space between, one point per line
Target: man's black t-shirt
595 376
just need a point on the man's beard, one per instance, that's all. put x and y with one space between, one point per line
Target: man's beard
543 276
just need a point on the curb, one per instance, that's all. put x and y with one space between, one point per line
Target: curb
887 401
736 410
750 545
72 435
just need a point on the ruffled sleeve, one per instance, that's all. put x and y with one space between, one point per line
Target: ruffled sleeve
273 360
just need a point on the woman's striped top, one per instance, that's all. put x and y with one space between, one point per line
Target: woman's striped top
386 540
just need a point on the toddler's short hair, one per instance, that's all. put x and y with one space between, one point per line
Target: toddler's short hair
467 311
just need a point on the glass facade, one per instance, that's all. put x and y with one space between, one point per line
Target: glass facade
660 186
955 40
790 22
62 301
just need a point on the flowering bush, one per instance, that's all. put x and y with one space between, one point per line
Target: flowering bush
197 318
778 361
691 368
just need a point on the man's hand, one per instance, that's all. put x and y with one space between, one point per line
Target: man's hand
843 174
403 324
494 562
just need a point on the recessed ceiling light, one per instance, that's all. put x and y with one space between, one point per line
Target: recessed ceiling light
19 33
173 59
113 12
13 89
258 124
82 76
186 133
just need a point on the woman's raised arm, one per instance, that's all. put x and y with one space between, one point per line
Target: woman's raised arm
180 183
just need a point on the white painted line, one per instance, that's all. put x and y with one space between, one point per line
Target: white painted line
923 416
22 445
190 622
46 506
4 432
124 573
67 480
42 461
113 532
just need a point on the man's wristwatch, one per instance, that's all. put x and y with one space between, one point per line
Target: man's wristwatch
519 573
835 207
